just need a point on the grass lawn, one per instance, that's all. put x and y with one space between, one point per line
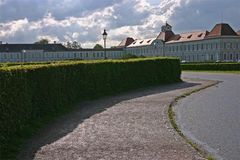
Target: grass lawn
226 72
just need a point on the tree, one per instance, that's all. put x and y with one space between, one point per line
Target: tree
75 45
69 45
42 41
98 46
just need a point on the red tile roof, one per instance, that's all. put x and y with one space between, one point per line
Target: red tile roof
126 42
165 36
190 36
222 29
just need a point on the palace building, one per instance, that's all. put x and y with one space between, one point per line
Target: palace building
222 43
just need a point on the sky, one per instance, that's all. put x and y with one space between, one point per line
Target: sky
27 21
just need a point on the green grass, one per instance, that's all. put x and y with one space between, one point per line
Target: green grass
226 72
233 66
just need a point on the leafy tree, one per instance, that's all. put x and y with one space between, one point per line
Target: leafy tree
75 45
69 45
42 41
98 46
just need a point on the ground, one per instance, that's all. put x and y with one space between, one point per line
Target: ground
129 126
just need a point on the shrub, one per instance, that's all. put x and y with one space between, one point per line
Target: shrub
32 94
129 56
212 66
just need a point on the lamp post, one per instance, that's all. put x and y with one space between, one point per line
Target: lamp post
104 39
23 55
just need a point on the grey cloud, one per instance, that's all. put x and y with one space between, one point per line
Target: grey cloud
204 14
36 9
123 19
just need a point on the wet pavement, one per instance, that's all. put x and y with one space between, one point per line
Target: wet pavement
211 117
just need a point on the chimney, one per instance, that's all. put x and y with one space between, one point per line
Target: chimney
0 42
54 42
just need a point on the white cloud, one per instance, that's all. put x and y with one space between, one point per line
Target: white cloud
11 28
50 38
84 21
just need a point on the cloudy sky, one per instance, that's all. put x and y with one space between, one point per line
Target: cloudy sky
26 21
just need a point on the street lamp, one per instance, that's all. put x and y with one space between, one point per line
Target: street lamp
23 55
104 39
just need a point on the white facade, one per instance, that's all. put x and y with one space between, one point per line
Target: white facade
189 47
41 55
221 44
217 49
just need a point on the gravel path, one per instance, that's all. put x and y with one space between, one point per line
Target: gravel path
129 126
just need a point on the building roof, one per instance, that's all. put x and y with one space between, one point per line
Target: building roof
46 48
238 33
144 42
165 36
189 36
222 29
21 47
126 42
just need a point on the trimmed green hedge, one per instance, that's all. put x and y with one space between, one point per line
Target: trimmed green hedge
211 66
30 95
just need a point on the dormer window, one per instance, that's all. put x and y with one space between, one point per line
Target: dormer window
148 41
200 35
189 36
141 42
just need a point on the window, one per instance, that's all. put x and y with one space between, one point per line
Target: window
200 35
189 36
211 57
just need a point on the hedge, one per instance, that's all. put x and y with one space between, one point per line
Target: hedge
32 94
212 66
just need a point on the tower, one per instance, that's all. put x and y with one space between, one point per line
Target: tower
166 27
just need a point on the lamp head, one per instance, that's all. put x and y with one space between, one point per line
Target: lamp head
104 34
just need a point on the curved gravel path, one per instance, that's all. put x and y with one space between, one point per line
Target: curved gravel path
129 126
